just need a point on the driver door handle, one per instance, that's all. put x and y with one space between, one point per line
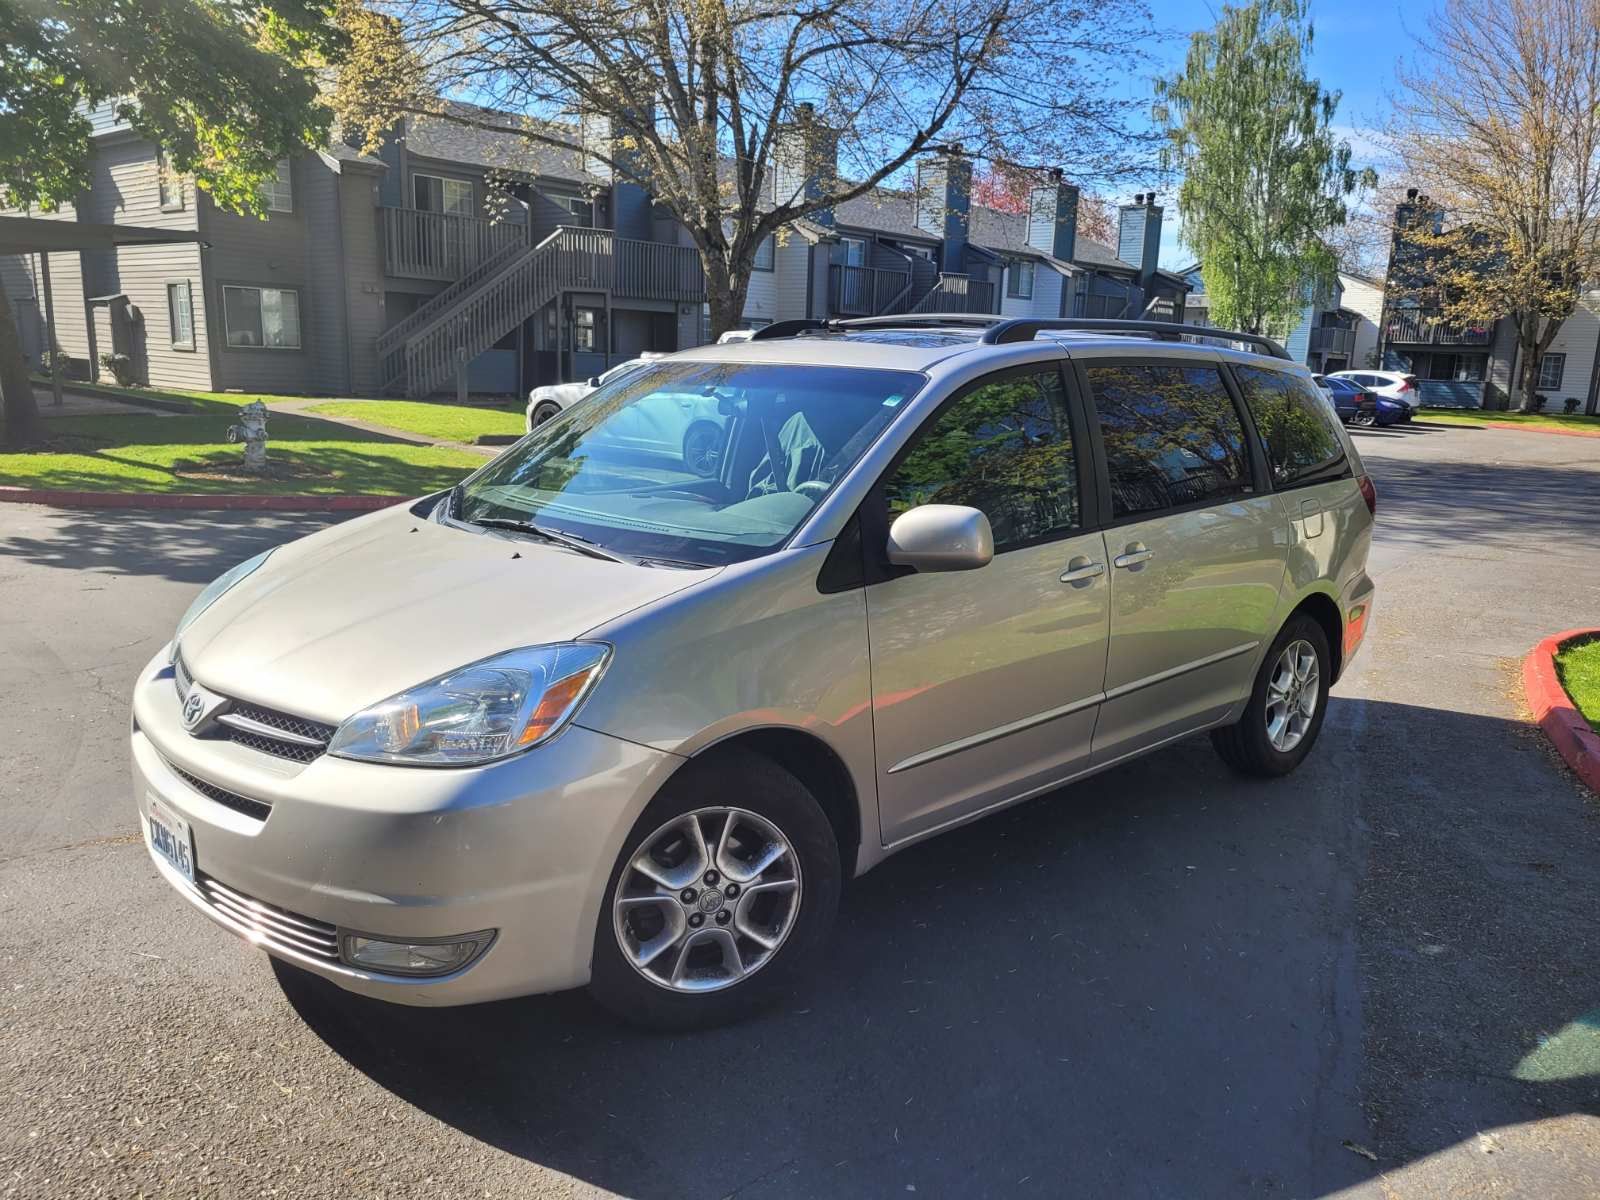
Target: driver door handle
1081 569
1135 554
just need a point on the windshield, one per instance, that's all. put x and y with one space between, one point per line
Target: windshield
696 463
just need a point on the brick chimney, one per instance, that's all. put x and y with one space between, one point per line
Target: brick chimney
805 161
1139 235
944 204
1053 217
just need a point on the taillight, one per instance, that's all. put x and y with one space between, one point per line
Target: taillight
1406 385
1368 493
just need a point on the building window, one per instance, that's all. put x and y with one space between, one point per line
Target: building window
277 194
169 183
262 317
1551 369
180 315
766 254
1019 281
434 193
585 324
582 210
855 252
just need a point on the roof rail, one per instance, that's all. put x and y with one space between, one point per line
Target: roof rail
1025 329
934 320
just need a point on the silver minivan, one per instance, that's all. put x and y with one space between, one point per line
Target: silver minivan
598 717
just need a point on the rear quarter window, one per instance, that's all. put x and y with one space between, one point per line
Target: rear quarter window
1298 429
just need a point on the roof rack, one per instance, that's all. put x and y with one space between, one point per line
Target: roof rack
998 331
1025 329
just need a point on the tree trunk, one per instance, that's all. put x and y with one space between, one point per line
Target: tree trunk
725 296
16 389
1528 347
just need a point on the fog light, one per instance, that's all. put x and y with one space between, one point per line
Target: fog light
425 956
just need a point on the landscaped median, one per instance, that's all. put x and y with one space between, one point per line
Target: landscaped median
1562 679
185 461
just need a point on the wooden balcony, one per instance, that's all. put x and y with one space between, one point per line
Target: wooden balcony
958 293
1423 327
430 245
631 269
864 291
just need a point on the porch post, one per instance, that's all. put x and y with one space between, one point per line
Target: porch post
50 328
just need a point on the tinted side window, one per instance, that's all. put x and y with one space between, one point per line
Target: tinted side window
1297 427
1004 448
1172 436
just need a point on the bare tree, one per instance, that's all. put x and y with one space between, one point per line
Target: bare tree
1499 125
741 116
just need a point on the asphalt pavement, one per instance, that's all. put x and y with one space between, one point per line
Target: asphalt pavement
1374 978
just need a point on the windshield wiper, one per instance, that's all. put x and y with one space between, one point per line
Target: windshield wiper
570 540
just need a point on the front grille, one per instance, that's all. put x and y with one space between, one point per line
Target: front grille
299 729
257 809
277 928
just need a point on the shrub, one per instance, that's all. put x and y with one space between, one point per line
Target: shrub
121 368
1569 405
1536 403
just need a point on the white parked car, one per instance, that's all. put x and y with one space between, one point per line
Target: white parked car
1392 385
546 401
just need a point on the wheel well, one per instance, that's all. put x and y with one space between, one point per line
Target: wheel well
814 763
1321 608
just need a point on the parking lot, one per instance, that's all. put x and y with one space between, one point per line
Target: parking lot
1163 982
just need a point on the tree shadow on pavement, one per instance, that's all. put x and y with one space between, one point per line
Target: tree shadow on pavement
190 547
1149 984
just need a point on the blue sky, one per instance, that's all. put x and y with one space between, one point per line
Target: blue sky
1357 50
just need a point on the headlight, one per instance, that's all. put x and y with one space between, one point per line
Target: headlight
486 710
213 590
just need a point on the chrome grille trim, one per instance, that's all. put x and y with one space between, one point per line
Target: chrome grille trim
269 722
260 810
181 679
275 927
238 720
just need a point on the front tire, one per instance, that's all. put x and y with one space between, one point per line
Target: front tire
1284 714
724 892
544 411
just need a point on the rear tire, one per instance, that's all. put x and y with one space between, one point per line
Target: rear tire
722 956
1260 745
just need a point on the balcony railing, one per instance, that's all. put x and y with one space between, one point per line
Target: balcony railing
631 269
1332 339
864 291
958 293
1422 326
430 245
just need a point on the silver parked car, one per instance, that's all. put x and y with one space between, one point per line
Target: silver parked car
589 718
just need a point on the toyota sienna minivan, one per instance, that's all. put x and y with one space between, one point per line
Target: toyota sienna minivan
597 717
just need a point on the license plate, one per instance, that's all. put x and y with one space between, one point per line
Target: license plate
169 837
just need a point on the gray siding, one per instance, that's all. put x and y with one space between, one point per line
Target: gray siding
126 190
792 259
327 339
363 267
268 251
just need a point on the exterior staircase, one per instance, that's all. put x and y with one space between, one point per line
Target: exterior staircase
430 347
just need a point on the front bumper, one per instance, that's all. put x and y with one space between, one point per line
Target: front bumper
524 847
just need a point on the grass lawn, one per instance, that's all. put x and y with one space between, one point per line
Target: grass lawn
1452 416
188 453
452 422
1578 668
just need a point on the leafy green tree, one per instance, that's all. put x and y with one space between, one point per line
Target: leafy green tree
226 87
1265 179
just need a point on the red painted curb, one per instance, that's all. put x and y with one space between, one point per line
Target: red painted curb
1554 711
197 500
1588 433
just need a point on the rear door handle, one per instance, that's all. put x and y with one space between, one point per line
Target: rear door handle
1135 554
1081 570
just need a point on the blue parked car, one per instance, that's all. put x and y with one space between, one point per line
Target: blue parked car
1357 405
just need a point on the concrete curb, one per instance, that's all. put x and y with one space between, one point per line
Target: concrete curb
197 501
1583 433
1554 711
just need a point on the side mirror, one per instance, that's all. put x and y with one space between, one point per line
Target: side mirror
594 381
941 537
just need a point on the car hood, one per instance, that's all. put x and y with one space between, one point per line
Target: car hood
354 614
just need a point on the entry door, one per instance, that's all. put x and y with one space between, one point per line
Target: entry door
1197 552
985 682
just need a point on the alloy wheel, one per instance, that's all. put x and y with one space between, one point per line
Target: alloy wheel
1292 695
707 899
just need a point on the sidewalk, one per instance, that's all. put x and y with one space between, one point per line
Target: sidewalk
300 406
